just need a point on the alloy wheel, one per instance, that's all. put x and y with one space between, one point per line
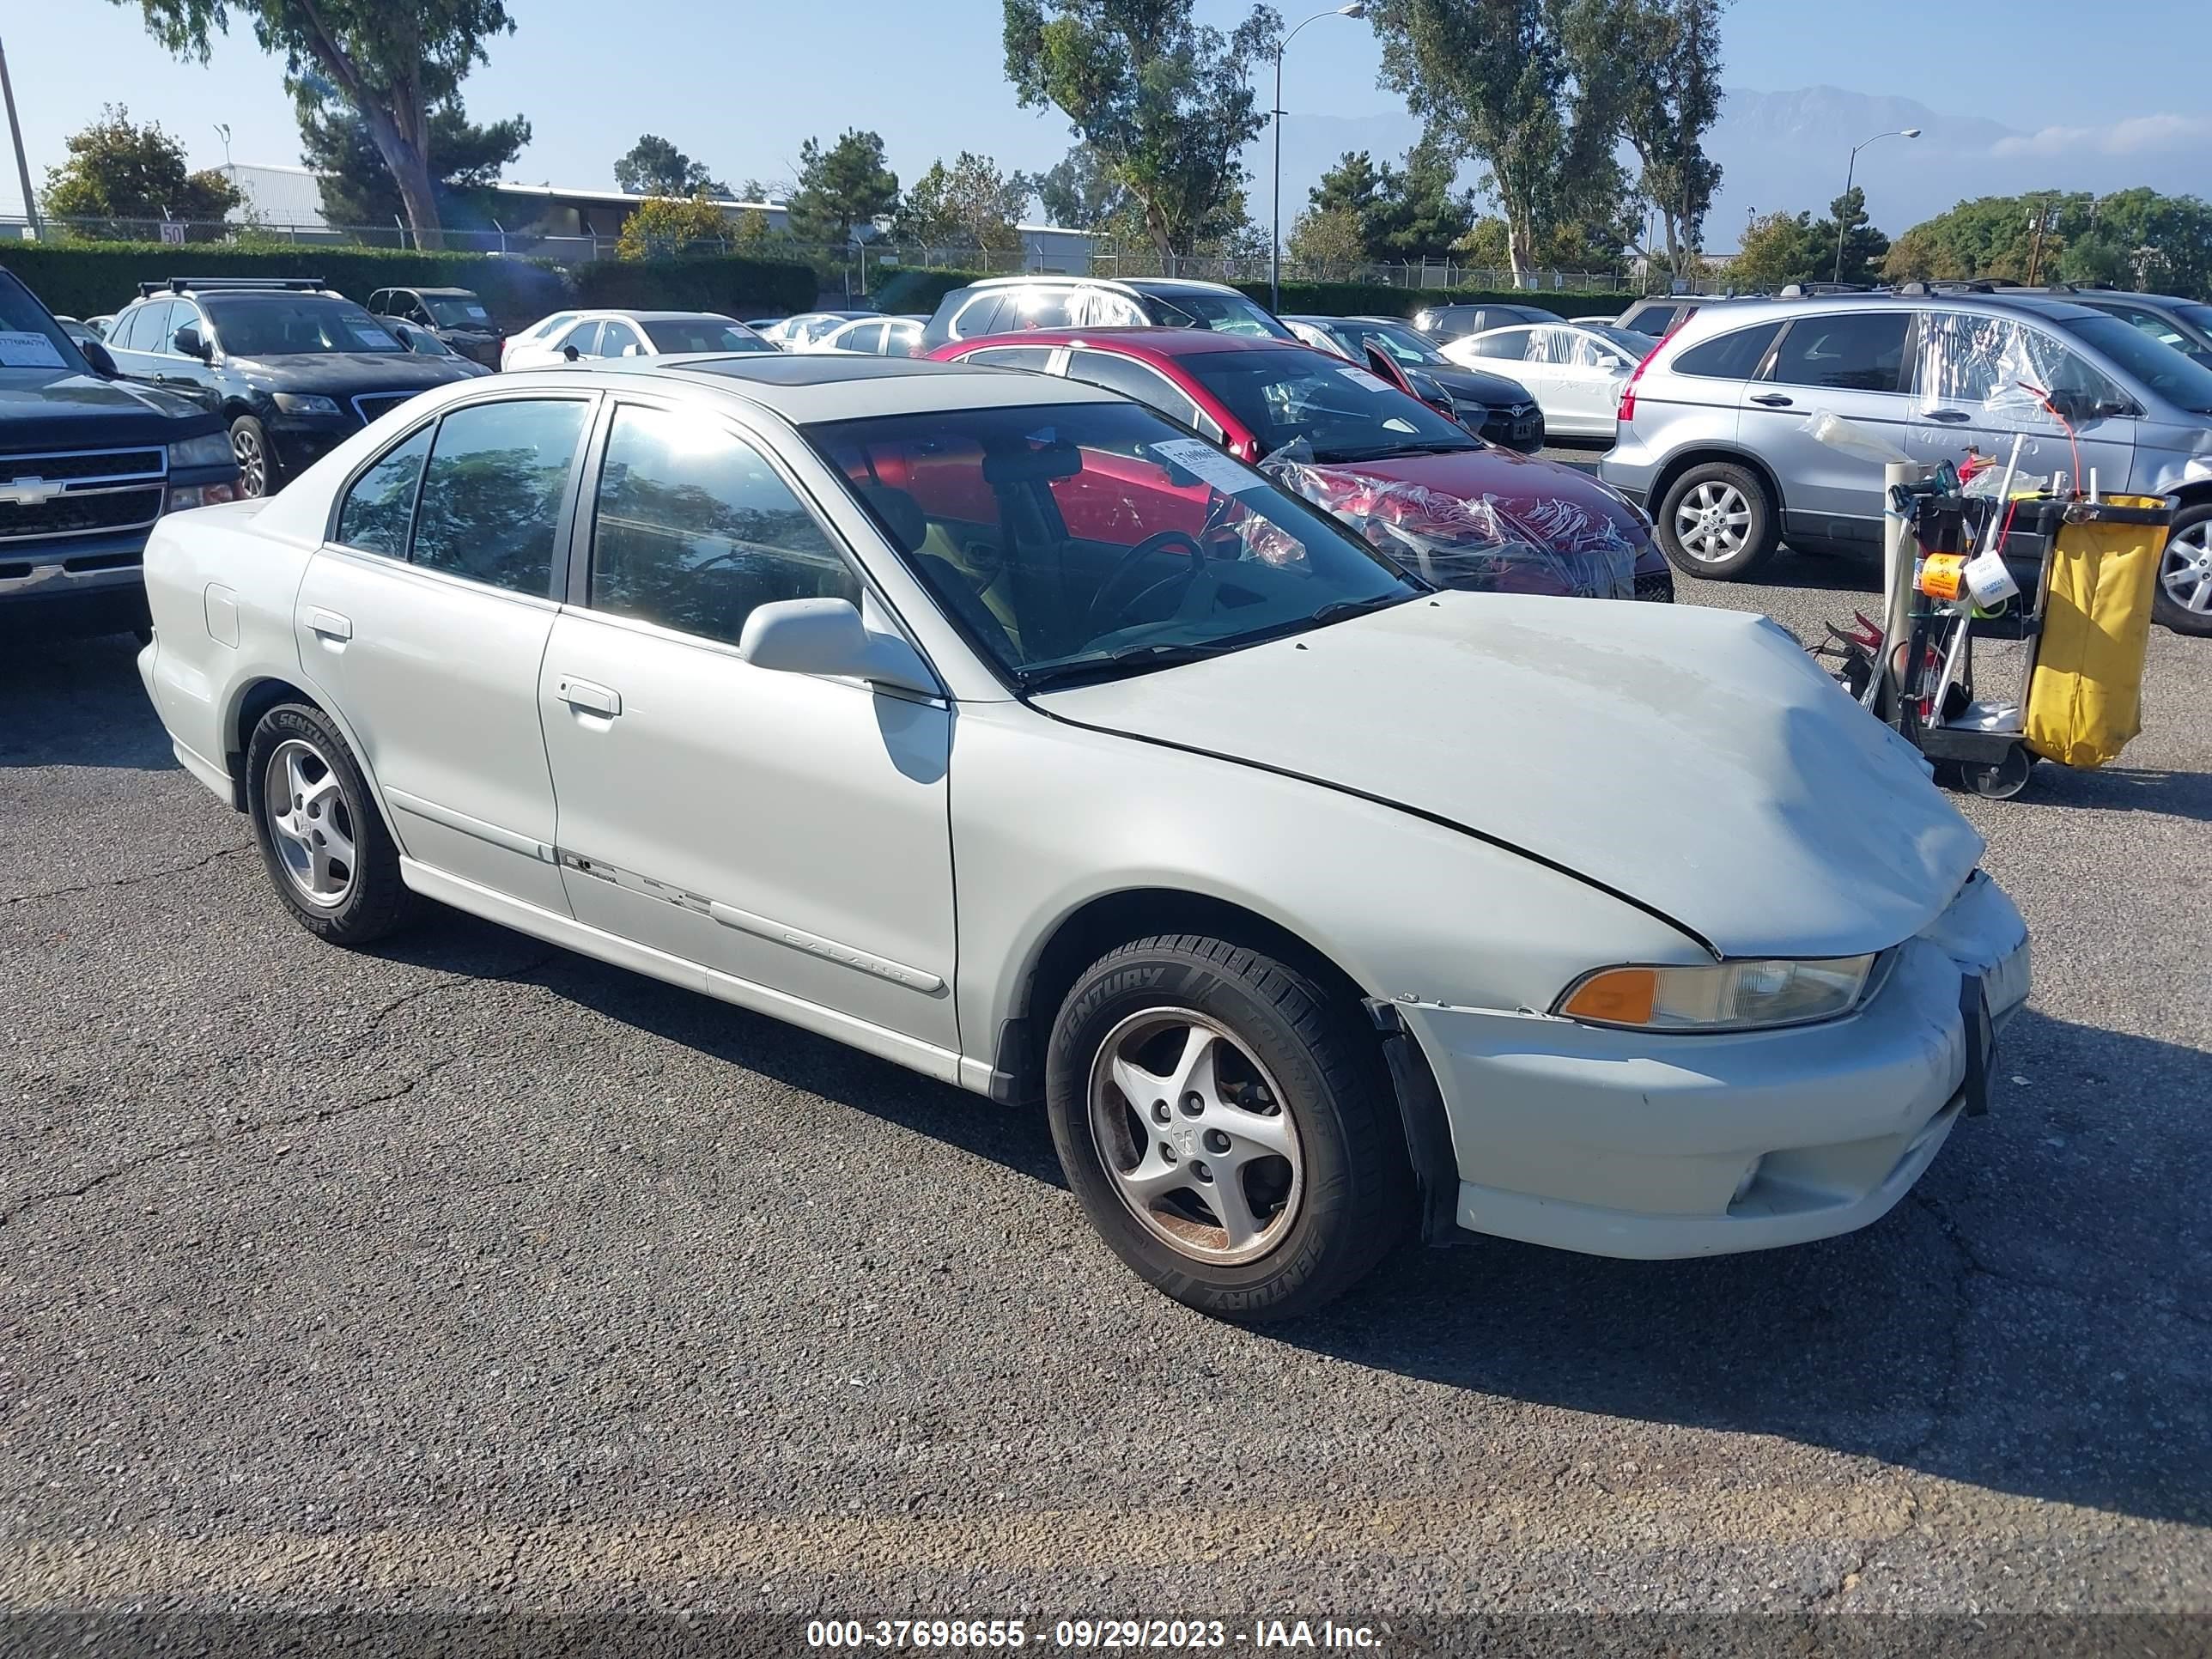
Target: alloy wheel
309 824
1195 1137
2186 572
1713 522
253 461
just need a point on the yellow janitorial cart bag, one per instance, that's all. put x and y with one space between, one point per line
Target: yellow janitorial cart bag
2085 698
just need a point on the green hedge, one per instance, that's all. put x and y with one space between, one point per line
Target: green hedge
90 279
1381 300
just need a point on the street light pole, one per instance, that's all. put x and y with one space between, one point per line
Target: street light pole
1357 9
1849 173
22 166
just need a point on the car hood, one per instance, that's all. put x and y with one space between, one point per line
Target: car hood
1521 484
1478 385
56 409
1697 762
348 372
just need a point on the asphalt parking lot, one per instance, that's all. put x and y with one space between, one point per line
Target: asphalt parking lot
470 1273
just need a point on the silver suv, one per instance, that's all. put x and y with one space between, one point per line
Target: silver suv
1714 431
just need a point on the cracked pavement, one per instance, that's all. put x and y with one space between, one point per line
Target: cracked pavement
467 1274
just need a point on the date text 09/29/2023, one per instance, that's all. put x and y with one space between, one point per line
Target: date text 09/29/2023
1092 1634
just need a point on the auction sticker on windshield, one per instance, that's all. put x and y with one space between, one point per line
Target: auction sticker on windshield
1206 464
27 351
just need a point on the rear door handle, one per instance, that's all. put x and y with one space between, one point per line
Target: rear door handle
1773 400
1951 416
329 625
593 699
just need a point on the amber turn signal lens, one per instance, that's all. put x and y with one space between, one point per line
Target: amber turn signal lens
1622 997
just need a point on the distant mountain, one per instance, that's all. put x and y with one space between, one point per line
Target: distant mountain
1790 149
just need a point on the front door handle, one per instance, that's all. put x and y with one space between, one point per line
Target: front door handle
1773 400
593 699
329 625
1949 416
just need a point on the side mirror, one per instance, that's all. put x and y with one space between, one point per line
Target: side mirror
188 342
569 352
404 334
826 636
102 364
633 349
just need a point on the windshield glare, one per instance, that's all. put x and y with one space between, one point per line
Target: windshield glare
21 313
702 334
1342 412
293 326
1225 314
1080 541
2177 379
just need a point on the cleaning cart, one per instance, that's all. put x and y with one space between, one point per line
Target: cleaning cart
2068 575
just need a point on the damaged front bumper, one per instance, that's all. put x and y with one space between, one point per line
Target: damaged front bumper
1621 1144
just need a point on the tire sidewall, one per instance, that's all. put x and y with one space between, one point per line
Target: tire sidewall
270 481
376 875
1758 546
1160 977
2163 610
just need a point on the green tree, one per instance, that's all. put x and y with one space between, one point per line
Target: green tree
1486 244
968 204
844 186
1530 88
2130 237
654 167
1778 249
1353 185
1672 49
1864 247
1079 190
1165 102
119 170
356 185
1328 240
1418 214
662 226
393 60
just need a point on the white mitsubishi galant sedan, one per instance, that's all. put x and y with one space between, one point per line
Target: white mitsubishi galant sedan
995 724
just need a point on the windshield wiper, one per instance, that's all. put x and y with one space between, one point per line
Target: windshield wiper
1336 610
1129 660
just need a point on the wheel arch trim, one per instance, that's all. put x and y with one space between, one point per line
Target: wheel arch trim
254 696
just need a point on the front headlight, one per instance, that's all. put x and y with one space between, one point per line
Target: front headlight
1626 505
1729 996
305 403
208 449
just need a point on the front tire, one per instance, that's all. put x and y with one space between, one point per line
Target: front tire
1228 1126
2182 596
1718 521
257 462
328 853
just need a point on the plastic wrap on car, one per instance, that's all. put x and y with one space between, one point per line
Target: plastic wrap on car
1993 367
1541 547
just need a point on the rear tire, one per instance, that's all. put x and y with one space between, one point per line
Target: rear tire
1179 1063
2182 596
328 853
1718 521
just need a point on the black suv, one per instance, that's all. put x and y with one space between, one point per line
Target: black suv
454 315
1457 322
1009 305
86 465
292 367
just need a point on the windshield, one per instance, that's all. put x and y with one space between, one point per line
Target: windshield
1636 345
2199 317
293 325
1086 541
456 314
702 334
1342 412
29 336
2162 368
1403 344
1225 314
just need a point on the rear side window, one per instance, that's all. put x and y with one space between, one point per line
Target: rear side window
1033 357
695 530
1507 345
1850 351
1732 356
382 500
492 491
978 317
1654 320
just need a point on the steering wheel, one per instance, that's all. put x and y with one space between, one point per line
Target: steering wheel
1118 578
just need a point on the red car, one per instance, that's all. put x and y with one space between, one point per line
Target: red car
1355 440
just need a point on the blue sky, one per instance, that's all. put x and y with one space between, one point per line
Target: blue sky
742 94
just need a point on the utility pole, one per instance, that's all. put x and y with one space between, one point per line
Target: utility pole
16 130
2035 247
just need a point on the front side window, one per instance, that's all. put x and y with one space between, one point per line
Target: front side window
151 330
1508 344
1850 351
583 339
618 339
868 339
1083 541
492 492
694 530
978 316
1223 313
1132 379
376 511
295 326
2178 379
902 339
1402 345
451 311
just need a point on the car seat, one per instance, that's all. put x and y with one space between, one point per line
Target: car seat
973 594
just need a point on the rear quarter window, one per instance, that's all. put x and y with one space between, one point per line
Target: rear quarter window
1735 355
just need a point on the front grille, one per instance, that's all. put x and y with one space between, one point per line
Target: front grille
1657 585
372 405
79 492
